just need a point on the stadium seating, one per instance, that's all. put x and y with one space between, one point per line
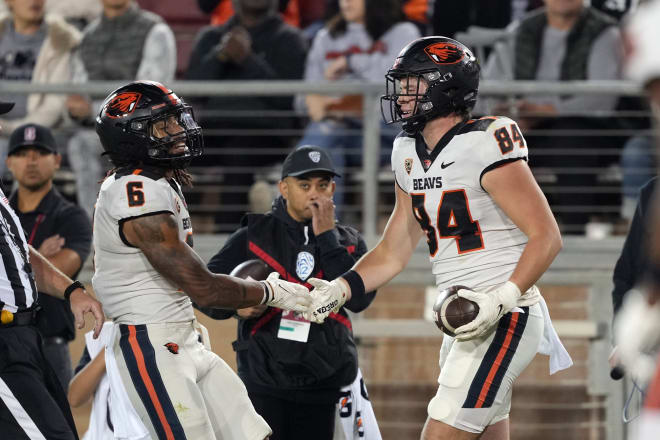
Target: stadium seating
185 19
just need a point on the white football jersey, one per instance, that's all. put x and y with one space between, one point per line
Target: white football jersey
471 240
131 290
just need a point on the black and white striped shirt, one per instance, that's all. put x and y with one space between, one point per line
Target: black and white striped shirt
17 287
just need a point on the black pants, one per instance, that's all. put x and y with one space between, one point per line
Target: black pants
32 401
58 356
296 420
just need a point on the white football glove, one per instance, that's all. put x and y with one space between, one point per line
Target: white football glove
286 295
327 297
637 334
492 306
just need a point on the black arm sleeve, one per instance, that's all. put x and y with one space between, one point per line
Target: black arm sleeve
335 261
634 257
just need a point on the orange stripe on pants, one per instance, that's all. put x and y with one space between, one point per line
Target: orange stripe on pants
144 374
498 361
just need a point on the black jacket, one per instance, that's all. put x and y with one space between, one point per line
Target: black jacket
633 261
312 371
278 53
56 215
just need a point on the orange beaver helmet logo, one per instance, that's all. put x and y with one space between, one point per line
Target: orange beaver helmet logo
172 347
444 53
122 104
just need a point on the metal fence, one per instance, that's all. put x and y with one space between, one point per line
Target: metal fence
366 181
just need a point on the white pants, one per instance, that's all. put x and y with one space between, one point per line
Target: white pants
476 376
179 388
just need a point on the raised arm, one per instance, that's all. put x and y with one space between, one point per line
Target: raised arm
157 236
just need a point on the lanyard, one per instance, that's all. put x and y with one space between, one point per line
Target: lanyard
40 219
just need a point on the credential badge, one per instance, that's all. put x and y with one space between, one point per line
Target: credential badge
304 265
407 164
315 156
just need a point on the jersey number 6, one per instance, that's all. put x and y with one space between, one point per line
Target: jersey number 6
135 194
453 221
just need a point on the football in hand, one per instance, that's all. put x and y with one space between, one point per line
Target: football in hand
451 311
255 269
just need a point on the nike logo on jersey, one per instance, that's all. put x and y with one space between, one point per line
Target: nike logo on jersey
427 183
445 165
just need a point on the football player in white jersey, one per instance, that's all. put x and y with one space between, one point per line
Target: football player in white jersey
146 275
464 185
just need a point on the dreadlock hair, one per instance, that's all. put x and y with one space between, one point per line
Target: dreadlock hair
182 176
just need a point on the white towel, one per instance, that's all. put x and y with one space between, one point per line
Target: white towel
550 344
355 418
98 426
126 422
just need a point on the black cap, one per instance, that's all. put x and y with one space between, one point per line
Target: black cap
5 107
32 135
307 159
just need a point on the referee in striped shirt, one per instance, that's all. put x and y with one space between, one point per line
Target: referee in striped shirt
33 404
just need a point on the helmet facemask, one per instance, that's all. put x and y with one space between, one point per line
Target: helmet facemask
165 131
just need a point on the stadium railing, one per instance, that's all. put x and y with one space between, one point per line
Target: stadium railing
370 184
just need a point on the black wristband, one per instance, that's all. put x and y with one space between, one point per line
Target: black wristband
355 282
268 295
73 286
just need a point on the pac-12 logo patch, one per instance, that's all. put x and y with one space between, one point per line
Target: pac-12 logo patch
122 104
407 165
304 265
444 53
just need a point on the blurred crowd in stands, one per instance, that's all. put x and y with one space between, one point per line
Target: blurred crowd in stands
582 147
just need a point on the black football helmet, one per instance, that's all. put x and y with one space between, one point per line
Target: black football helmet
125 126
448 68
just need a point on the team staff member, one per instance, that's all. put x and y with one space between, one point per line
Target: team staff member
59 230
290 366
32 401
